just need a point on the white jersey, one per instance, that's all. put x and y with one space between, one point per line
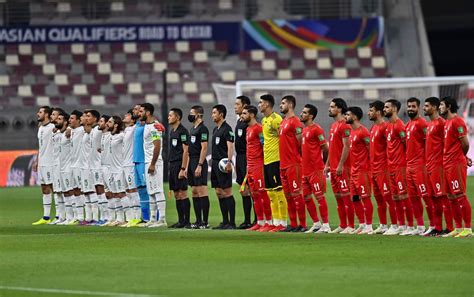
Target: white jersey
85 151
150 134
128 135
65 149
104 147
56 145
45 143
94 158
76 139
116 153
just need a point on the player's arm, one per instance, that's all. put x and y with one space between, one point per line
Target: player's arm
230 153
184 163
325 151
344 155
464 144
202 155
156 137
299 137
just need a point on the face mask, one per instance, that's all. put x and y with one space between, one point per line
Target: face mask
191 118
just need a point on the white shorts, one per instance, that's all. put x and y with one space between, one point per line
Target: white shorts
67 181
129 175
117 183
97 177
57 179
106 176
45 175
154 183
76 174
86 181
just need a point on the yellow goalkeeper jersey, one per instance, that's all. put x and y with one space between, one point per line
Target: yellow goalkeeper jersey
271 140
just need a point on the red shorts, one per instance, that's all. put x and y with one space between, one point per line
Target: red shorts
360 184
455 177
398 181
255 179
417 181
291 179
436 182
340 183
381 183
314 184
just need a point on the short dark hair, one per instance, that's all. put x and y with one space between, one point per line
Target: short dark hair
118 121
77 113
269 98
148 107
94 113
105 117
244 99
199 109
377 105
251 109
290 98
340 103
451 103
65 116
357 111
221 109
58 109
178 112
433 101
395 103
414 99
46 109
313 110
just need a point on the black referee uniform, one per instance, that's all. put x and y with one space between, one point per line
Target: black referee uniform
241 168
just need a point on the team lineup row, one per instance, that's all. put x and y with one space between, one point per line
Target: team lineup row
111 169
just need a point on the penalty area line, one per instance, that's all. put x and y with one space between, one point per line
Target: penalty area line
74 292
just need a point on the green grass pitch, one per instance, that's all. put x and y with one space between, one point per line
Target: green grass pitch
98 261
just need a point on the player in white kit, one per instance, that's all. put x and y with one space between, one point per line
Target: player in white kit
76 122
129 170
44 161
153 166
58 197
105 163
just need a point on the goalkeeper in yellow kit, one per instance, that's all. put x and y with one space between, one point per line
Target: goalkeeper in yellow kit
271 159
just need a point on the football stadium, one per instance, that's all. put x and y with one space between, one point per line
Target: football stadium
236 148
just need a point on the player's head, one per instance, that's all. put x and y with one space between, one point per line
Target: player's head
102 124
218 113
146 110
55 112
431 106
240 103
391 107
128 118
353 114
114 124
75 118
196 112
375 110
308 113
413 106
448 104
249 112
44 113
287 104
61 121
136 111
336 107
92 116
174 116
266 102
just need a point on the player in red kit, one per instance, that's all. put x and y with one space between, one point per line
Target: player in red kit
416 167
378 165
338 165
255 178
314 150
434 164
290 164
359 142
396 157
456 146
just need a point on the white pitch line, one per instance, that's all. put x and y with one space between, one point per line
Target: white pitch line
98 232
74 292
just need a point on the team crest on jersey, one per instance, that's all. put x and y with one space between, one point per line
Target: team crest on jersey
193 139
218 139
239 132
174 142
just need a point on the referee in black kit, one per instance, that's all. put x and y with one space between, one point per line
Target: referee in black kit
222 147
241 159
178 164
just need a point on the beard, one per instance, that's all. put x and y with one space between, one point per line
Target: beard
412 114
350 121
388 114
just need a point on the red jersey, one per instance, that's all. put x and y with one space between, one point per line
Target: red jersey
338 131
254 138
395 148
289 145
378 147
454 129
311 142
434 144
359 151
416 135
